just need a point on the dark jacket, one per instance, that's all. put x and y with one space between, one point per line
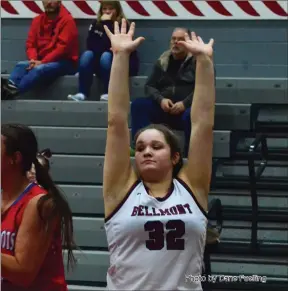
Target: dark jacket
53 40
99 42
181 88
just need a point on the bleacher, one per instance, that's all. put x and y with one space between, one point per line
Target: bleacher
250 176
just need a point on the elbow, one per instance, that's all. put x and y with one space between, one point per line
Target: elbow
203 117
117 120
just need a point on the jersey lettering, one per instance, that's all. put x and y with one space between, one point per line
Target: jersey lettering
174 240
151 211
8 240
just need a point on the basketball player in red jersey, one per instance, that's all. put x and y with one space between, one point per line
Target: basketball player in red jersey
156 216
34 218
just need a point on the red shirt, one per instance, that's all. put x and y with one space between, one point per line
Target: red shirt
53 40
51 275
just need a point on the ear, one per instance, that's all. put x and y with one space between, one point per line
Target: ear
175 159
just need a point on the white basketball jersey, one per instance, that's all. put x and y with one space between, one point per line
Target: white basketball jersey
156 244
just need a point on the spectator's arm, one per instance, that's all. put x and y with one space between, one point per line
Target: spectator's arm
151 90
65 38
31 49
188 100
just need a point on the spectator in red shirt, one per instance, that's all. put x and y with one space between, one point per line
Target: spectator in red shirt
52 50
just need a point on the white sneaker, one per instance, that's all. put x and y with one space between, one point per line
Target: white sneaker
76 97
104 97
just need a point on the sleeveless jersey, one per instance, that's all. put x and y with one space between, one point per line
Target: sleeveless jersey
51 275
156 244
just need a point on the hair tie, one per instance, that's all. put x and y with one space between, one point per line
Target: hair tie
46 153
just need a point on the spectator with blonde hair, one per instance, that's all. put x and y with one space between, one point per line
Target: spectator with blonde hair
98 56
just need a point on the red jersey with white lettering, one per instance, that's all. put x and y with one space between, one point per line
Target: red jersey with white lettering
51 275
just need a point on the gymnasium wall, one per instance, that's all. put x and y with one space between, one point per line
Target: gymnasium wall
242 49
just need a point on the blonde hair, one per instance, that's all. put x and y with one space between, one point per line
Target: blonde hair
117 6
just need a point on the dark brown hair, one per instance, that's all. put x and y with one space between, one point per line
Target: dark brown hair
43 158
20 138
171 139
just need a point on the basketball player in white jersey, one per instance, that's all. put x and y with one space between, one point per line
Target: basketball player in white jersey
155 215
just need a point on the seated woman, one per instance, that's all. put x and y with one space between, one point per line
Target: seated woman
98 56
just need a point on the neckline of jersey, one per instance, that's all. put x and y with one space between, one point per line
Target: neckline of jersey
25 191
161 199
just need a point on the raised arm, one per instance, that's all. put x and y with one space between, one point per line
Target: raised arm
197 172
118 172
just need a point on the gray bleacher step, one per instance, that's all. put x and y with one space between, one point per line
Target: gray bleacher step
90 232
92 266
242 198
92 141
94 114
80 169
85 288
276 143
277 170
228 90
273 114
88 199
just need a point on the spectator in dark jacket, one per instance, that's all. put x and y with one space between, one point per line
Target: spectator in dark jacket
169 89
98 57
51 47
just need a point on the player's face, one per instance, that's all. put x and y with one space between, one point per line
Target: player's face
5 160
153 155
8 162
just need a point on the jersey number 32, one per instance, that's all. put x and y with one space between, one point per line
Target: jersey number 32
174 240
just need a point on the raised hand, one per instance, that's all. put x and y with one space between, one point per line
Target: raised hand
196 45
121 40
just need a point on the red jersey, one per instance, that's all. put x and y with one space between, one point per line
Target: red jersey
51 275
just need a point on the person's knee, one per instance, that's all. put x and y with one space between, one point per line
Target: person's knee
86 59
44 70
106 60
140 105
22 64
39 69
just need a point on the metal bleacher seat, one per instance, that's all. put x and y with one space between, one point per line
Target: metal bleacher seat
94 114
228 90
76 134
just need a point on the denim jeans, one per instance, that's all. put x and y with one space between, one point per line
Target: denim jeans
40 75
101 65
145 111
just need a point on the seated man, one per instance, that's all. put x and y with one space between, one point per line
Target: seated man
169 90
52 51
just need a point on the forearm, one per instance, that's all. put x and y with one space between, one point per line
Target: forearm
153 93
119 97
203 105
31 54
11 270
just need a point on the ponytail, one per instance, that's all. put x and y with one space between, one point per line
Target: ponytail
58 207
